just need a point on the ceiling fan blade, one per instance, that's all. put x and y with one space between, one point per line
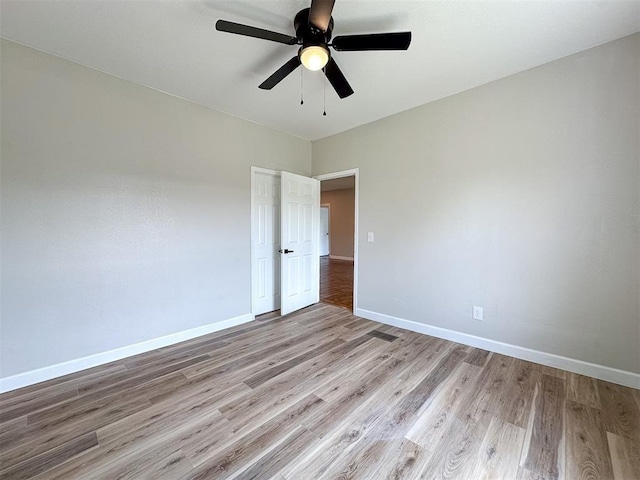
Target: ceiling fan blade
247 31
280 74
320 13
337 80
373 41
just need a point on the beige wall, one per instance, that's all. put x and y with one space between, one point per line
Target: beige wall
341 220
521 196
125 212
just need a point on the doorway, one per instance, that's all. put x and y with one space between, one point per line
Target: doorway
338 267
285 210
267 212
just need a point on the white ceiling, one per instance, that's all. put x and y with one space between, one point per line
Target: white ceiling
173 46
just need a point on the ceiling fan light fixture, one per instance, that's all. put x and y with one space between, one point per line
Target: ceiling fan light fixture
314 57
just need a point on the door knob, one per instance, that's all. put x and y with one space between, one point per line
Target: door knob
286 250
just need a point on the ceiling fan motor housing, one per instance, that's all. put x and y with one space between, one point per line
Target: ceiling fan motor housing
308 34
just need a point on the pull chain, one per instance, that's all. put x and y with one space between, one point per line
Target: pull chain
301 88
324 95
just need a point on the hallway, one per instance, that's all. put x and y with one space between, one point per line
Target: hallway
336 282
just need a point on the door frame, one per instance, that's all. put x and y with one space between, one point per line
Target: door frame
354 172
328 207
265 171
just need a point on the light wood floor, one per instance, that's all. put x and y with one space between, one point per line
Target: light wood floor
336 282
320 394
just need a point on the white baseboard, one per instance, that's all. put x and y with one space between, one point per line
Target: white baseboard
601 372
46 373
338 257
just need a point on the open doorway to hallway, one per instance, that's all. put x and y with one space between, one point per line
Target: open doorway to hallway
336 282
337 232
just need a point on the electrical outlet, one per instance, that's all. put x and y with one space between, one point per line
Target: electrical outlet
478 313
370 237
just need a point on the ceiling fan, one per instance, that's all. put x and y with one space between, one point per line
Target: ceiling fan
313 28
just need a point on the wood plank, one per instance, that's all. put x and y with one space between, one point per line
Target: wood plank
454 430
423 358
455 455
169 456
251 341
349 451
583 390
160 464
247 449
409 460
131 379
338 441
405 342
280 392
391 330
621 413
339 438
513 402
40 463
330 314
226 377
431 426
543 449
67 382
346 382
409 344
265 375
499 453
586 443
16 407
282 455
169 414
159 359
380 457
117 451
359 331
285 347
551 371
338 409
488 396
40 437
382 335
358 322
478 357
625 457
12 425
406 411
239 349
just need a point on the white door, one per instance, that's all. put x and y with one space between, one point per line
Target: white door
299 226
324 231
266 243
